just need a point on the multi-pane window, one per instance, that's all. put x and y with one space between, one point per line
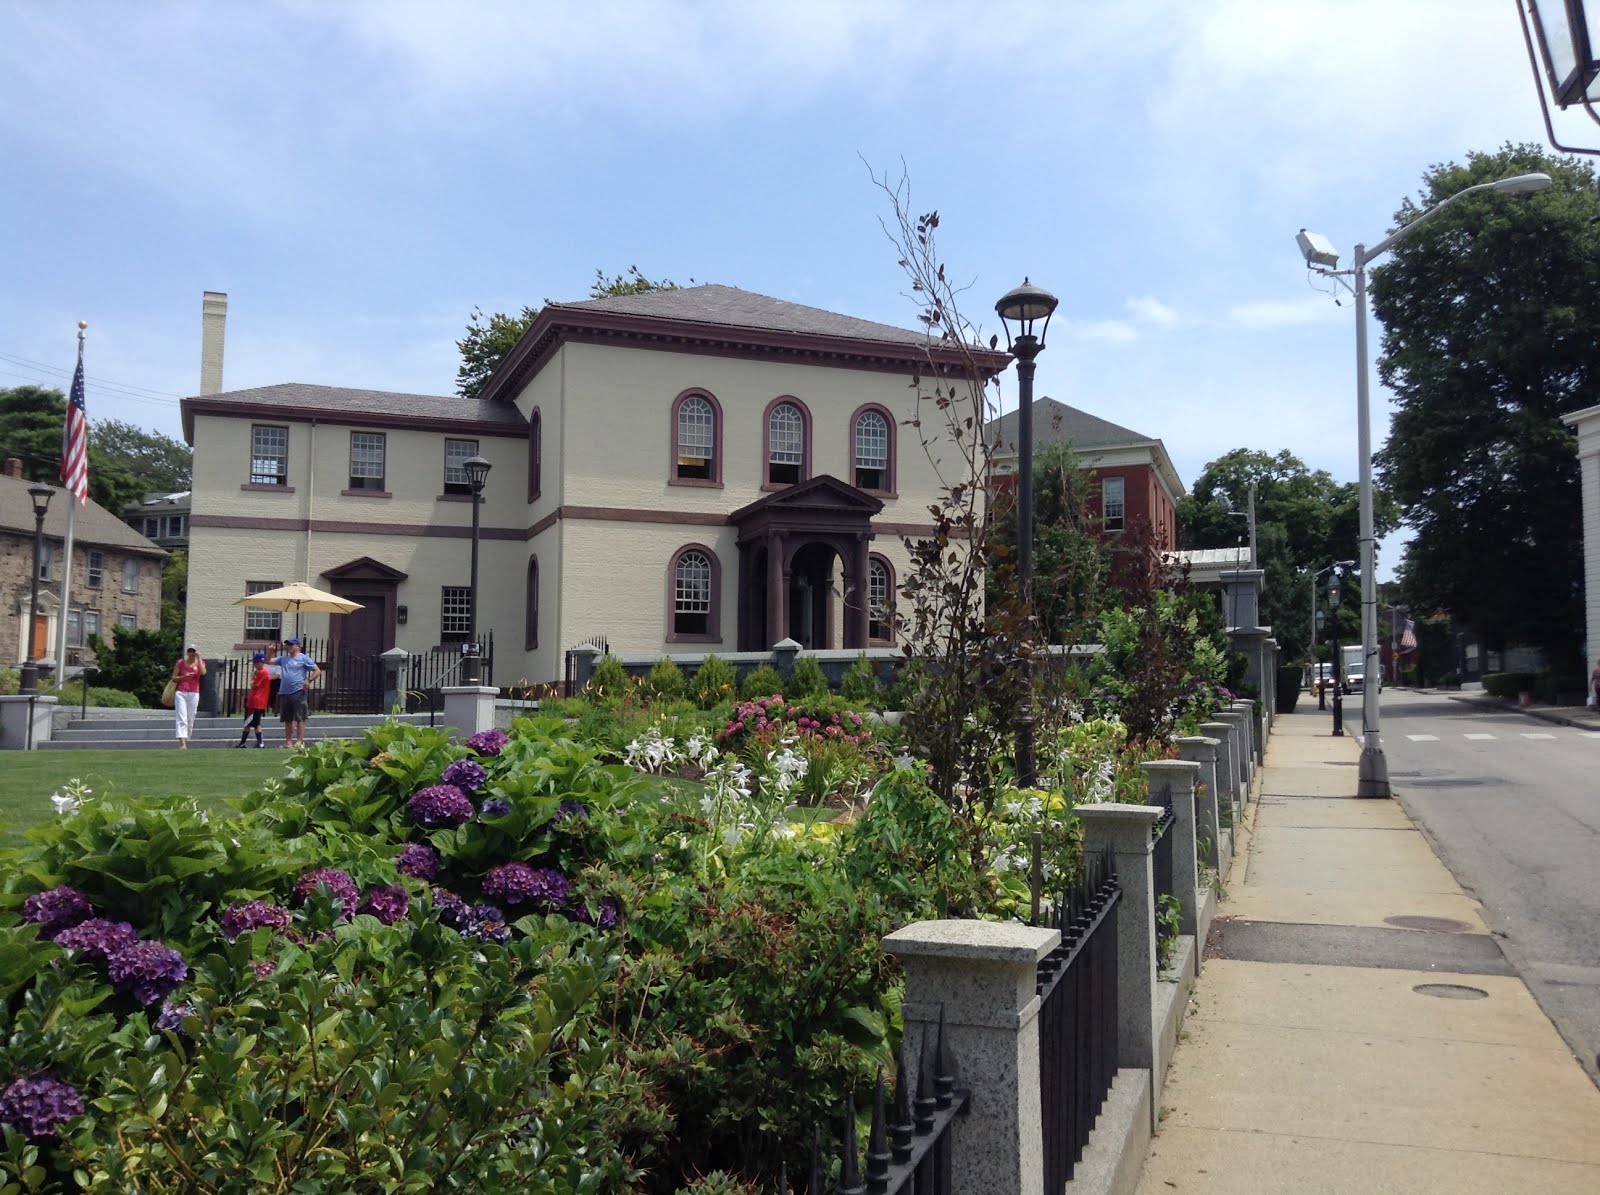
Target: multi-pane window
1113 509
691 594
786 444
366 460
82 625
697 439
880 613
152 527
128 622
269 455
455 613
456 454
91 625
130 575
262 624
95 574
177 526
872 451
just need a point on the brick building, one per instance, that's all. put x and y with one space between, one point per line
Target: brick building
116 573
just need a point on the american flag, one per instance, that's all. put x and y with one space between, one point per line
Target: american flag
1408 637
75 438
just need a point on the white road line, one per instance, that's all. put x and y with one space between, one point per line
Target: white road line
1423 738
1477 736
1526 735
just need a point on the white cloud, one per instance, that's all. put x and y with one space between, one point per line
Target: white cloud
1150 310
1109 331
1280 313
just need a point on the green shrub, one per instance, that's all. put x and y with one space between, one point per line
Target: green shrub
860 685
713 683
763 681
1449 681
665 682
563 707
1288 694
1507 685
610 686
71 693
907 686
806 679
137 662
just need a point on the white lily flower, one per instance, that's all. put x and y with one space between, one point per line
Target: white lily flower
65 805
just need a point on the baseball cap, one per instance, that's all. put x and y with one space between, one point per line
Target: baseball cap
287 642
191 647
260 657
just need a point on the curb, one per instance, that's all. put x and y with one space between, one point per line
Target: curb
1543 713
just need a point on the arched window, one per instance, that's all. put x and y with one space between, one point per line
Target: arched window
872 450
694 595
788 452
535 452
880 600
530 624
696 440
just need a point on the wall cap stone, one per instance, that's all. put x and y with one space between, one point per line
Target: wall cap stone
992 941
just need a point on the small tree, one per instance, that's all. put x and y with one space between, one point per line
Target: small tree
138 662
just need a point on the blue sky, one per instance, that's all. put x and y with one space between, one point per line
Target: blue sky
358 177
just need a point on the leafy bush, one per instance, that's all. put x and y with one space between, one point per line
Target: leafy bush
860 685
610 687
71 693
806 679
713 683
1507 685
665 682
1288 693
137 662
762 681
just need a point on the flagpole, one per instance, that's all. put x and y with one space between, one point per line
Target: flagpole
72 521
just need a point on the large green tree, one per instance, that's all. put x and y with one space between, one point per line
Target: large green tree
125 462
1305 520
490 338
1489 315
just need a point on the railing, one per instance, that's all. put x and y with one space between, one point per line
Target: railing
1161 851
1077 988
569 674
910 1154
355 682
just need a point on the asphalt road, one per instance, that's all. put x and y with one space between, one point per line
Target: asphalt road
1513 806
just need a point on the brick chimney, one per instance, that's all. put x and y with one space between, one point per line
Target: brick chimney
13 467
213 321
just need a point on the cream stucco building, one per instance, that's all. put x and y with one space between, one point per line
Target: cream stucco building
690 470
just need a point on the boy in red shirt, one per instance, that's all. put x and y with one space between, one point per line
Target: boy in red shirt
255 704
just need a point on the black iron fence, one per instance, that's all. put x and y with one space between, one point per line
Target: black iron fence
908 1154
1162 839
569 673
1077 987
356 682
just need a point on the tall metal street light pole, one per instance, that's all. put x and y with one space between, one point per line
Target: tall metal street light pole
29 678
1373 777
1025 306
477 471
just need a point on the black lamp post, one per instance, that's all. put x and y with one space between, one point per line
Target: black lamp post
30 667
1024 306
1568 39
477 470
1338 657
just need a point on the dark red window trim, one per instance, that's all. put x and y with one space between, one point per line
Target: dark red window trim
766 441
890 462
715 480
713 633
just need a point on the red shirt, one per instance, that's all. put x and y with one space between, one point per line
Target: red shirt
260 689
188 676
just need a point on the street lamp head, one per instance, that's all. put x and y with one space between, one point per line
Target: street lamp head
1569 40
1317 250
477 471
41 495
1024 305
1523 182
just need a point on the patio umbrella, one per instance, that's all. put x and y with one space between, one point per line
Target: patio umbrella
299 598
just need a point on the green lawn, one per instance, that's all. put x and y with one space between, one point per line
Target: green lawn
27 778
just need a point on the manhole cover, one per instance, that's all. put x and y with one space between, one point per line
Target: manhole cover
1450 991
1438 925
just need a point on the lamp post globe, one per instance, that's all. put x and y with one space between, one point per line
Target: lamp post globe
477 471
1024 306
29 678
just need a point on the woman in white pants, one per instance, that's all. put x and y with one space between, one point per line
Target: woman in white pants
186 674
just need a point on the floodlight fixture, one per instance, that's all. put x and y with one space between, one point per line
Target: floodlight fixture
1317 250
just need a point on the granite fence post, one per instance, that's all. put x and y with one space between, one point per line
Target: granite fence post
585 659
1227 768
1239 746
1202 750
983 975
1126 829
1174 780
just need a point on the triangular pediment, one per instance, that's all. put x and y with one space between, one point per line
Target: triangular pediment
364 568
823 493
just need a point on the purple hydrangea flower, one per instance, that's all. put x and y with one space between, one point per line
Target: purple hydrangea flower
488 924
388 903
489 742
37 1105
97 939
605 916
465 774
440 806
495 807
419 861
56 909
264 968
544 888
247 916
451 909
570 809
338 883
147 969
172 1015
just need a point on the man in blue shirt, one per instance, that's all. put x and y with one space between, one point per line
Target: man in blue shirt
295 671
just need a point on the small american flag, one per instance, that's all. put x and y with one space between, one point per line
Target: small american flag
75 438
1408 636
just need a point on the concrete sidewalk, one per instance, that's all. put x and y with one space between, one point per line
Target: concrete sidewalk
1331 1049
